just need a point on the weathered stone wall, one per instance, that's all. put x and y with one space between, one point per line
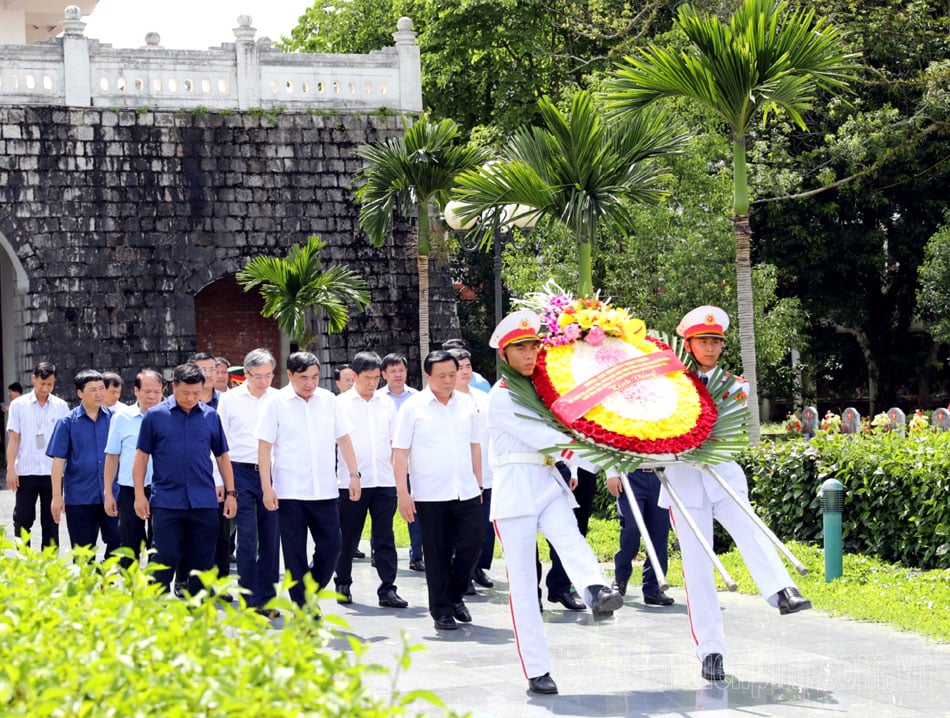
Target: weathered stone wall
120 217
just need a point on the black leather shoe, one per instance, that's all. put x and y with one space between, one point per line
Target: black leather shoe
620 587
460 611
391 599
791 601
657 599
358 554
470 591
446 623
712 667
417 565
268 613
481 578
542 684
568 600
606 600
346 598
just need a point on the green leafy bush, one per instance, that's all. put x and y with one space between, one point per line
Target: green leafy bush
896 503
81 639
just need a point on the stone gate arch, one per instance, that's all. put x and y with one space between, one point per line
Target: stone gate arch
14 288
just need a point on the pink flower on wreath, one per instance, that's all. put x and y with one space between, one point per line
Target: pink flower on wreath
595 336
572 332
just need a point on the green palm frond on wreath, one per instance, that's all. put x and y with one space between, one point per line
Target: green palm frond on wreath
729 435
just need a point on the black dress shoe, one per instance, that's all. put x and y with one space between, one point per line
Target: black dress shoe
346 598
481 578
712 667
268 613
460 611
620 587
542 684
417 565
606 600
358 554
391 599
446 623
791 601
657 599
567 599
470 591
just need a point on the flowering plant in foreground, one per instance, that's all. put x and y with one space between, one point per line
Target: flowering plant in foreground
623 396
831 423
793 425
918 422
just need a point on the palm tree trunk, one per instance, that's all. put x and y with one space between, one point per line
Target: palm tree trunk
585 277
740 223
746 318
422 267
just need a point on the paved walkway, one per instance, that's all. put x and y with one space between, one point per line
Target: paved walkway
640 662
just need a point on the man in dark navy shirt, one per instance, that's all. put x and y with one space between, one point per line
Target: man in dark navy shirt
77 449
180 435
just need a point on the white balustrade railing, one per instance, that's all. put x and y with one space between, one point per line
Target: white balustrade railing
74 70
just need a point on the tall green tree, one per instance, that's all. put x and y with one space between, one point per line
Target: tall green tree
933 293
408 173
766 58
863 193
577 170
295 287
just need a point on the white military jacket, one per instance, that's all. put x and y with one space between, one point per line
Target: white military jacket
522 489
691 484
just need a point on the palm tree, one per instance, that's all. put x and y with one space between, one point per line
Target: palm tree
296 285
766 58
408 173
578 171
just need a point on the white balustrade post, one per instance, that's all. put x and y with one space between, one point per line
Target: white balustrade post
76 76
248 65
410 67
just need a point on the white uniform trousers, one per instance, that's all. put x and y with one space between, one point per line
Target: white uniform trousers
518 536
764 564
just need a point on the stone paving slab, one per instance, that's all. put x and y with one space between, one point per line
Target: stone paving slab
640 662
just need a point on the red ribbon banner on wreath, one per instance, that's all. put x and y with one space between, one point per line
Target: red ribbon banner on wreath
613 380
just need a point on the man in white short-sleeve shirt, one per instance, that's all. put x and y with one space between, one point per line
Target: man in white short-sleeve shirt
258 540
373 416
30 421
435 441
300 428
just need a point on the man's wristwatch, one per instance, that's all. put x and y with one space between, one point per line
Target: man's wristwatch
356 475
231 493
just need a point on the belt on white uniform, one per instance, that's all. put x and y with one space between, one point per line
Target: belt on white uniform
516 457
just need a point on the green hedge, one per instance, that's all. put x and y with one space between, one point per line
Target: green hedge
897 492
85 639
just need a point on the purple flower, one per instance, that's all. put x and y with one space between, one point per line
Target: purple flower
572 332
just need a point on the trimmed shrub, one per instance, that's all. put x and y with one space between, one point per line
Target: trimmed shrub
896 503
81 639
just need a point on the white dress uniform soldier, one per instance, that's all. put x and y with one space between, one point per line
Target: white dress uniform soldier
529 496
704 330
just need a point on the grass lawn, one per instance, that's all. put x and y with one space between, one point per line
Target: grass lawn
869 590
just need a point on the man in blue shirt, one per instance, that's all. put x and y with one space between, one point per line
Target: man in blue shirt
180 435
77 449
120 454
